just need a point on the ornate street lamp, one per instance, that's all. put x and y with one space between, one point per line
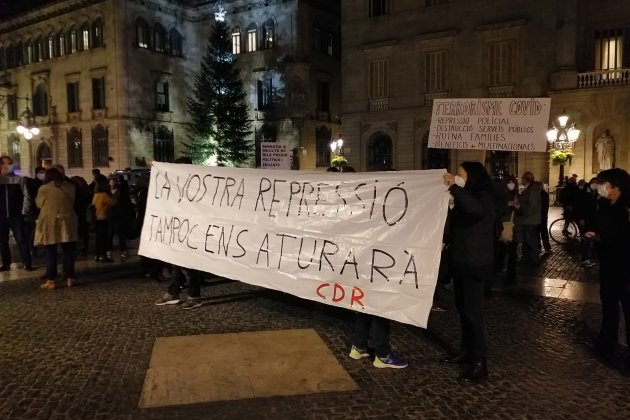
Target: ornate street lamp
27 127
338 161
562 139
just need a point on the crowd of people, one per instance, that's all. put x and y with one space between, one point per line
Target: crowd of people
489 221
52 211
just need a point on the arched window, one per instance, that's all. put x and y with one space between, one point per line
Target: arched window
159 38
252 38
49 47
28 52
84 39
15 151
163 145
38 50
379 151
75 148
434 158
236 40
10 57
40 100
60 44
72 41
175 42
19 54
43 155
142 33
97 33
100 146
322 139
269 34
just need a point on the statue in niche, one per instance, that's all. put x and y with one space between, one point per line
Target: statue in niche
605 147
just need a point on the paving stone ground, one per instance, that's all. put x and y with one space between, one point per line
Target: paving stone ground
82 353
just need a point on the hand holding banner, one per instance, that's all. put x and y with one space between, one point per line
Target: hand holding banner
364 241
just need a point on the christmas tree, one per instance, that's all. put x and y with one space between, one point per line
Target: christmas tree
220 125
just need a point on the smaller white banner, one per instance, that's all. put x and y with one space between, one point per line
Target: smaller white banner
505 124
275 155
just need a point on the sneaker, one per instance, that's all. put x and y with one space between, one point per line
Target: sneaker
108 254
390 361
168 299
357 353
192 303
124 255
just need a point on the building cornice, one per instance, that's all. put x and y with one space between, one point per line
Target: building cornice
445 35
502 25
43 13
379 44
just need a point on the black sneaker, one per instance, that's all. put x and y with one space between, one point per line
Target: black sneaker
192 303
168 299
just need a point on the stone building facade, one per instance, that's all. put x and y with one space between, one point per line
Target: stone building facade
108 80
398 56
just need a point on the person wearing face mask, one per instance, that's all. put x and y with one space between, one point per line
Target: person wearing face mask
584 214
612 231
15 204
470 241
507 246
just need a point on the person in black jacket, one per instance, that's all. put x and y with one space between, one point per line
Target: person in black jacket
470 242
14 207
584 214
612 230
543 228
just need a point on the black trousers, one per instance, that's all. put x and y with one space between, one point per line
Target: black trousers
380 333
469 296
101 231
67 260
507 249
14 224
544 234
614 291
178 279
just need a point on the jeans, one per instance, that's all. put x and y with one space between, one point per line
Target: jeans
14 224
67 251
380 333
469 297
531 244
178 279
507 249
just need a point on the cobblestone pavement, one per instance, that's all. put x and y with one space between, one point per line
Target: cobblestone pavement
83 353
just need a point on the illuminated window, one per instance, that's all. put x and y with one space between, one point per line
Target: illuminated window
75 148
268 34
15 151
72 41
379 8
28 52
49 51
84 43
609 49
379 79
252 40
501 57
142 33
236 40
436 71
61 45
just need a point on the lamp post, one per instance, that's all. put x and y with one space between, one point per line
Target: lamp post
27 127
336 147
562 139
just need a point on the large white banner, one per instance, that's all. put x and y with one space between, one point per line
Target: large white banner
364 241
507 124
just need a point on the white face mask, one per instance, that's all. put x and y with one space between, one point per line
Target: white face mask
602 189
511 186
41 176
593 187
459 181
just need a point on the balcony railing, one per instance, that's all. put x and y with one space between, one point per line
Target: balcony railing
602 78
501 91
430 97
379 104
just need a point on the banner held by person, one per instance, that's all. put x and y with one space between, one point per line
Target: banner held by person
504 124
364 241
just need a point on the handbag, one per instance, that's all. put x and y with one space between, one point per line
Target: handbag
508 230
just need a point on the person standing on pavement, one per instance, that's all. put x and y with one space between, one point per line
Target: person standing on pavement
83 201
509 247
567 199
530 218
101 208
15 205
543 228
584 214
470 242
57 224
180 276
378 328
612 231
120 219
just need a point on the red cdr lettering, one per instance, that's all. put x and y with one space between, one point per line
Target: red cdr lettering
338 288
319 290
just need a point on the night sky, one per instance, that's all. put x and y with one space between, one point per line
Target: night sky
12 7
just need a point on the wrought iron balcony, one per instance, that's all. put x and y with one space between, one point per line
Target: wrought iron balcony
506 91
603 78
430 97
